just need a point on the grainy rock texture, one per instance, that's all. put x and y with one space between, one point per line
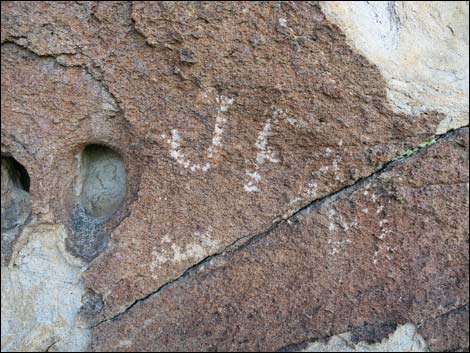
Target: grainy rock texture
191 163
404 339
392 249
421 48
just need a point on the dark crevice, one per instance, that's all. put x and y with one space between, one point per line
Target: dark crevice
390 328
18 173
246 240
16 205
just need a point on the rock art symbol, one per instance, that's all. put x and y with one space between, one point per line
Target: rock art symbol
175 140
265 153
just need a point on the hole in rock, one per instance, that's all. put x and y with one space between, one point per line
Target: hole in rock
103 181
16 172
15 203
100 192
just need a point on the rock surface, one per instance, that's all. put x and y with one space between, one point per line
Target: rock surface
160 135
41 295
404 339
392 249
15 204
421 48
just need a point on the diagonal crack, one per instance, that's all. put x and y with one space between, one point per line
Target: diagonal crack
246 240
455 310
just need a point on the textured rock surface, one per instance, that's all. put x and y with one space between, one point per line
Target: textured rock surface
41 295
448 332
404 339
393 249
219 121
421 47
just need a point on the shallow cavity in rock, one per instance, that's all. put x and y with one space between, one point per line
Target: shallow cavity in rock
100 192
15 203
103 181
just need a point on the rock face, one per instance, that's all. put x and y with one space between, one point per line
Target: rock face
391 249
15 203
421 48
224 176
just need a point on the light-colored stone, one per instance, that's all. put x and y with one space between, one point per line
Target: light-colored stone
421 48
223 135
46 281
404 339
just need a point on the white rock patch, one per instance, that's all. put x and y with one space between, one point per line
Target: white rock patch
421 48
45 279
404 339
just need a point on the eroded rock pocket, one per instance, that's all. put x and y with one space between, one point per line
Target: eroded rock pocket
16 204
100 192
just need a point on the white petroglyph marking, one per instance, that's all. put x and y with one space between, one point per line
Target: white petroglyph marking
217 138
225 103
335 219
254 180
265 153
312 189
283 22
204 246
297 199
331 217
214 149
337 245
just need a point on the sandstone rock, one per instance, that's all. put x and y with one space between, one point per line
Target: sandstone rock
216 122
421 48
252 134
41 295
392 249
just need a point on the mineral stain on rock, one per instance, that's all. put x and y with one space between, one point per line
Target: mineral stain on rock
100 192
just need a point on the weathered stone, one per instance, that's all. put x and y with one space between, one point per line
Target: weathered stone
222 119
15 204
421 48
41 295
404 339
251 135
393 249
448 332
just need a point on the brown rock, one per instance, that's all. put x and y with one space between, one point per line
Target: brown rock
164 133
392 249
448 332
235 142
